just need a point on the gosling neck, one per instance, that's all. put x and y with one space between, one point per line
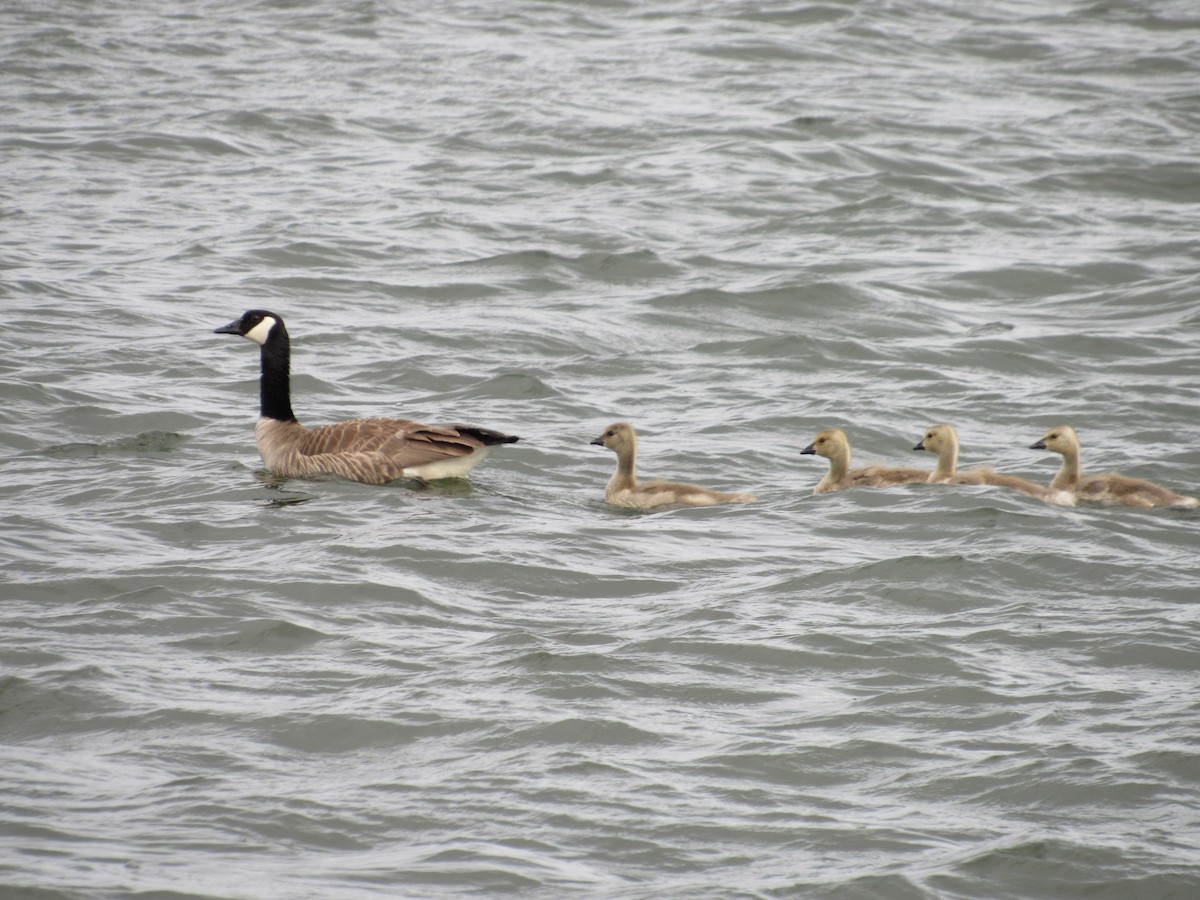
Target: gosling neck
839 463
1068 475
624 478
947 460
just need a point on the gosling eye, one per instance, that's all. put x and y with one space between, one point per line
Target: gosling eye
1053 435
610 433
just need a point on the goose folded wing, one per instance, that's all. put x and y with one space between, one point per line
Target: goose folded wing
431 443
354 435
376 451
411 442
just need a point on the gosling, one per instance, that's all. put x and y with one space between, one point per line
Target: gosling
626 491
1111 487
833 444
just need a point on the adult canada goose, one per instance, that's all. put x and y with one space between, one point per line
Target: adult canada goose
833 444
374 451
943 440
625 490
1107 488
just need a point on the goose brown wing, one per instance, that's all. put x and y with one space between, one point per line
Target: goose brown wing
430 443
354 435
390 437
408 442
374 451
485 436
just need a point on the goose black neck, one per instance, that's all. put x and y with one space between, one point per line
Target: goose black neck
275 396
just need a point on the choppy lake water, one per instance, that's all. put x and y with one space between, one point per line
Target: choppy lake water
732 224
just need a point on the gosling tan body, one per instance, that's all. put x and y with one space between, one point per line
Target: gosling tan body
1110 487
833 444
625 490
943 440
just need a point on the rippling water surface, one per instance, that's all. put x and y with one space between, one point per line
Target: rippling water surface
732 224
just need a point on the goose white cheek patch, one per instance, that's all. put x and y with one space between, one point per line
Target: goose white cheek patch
260 332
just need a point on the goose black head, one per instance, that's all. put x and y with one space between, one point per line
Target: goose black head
255 325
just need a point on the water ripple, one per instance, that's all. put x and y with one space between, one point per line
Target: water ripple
732 226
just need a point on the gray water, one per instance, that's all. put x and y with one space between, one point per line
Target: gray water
732 224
